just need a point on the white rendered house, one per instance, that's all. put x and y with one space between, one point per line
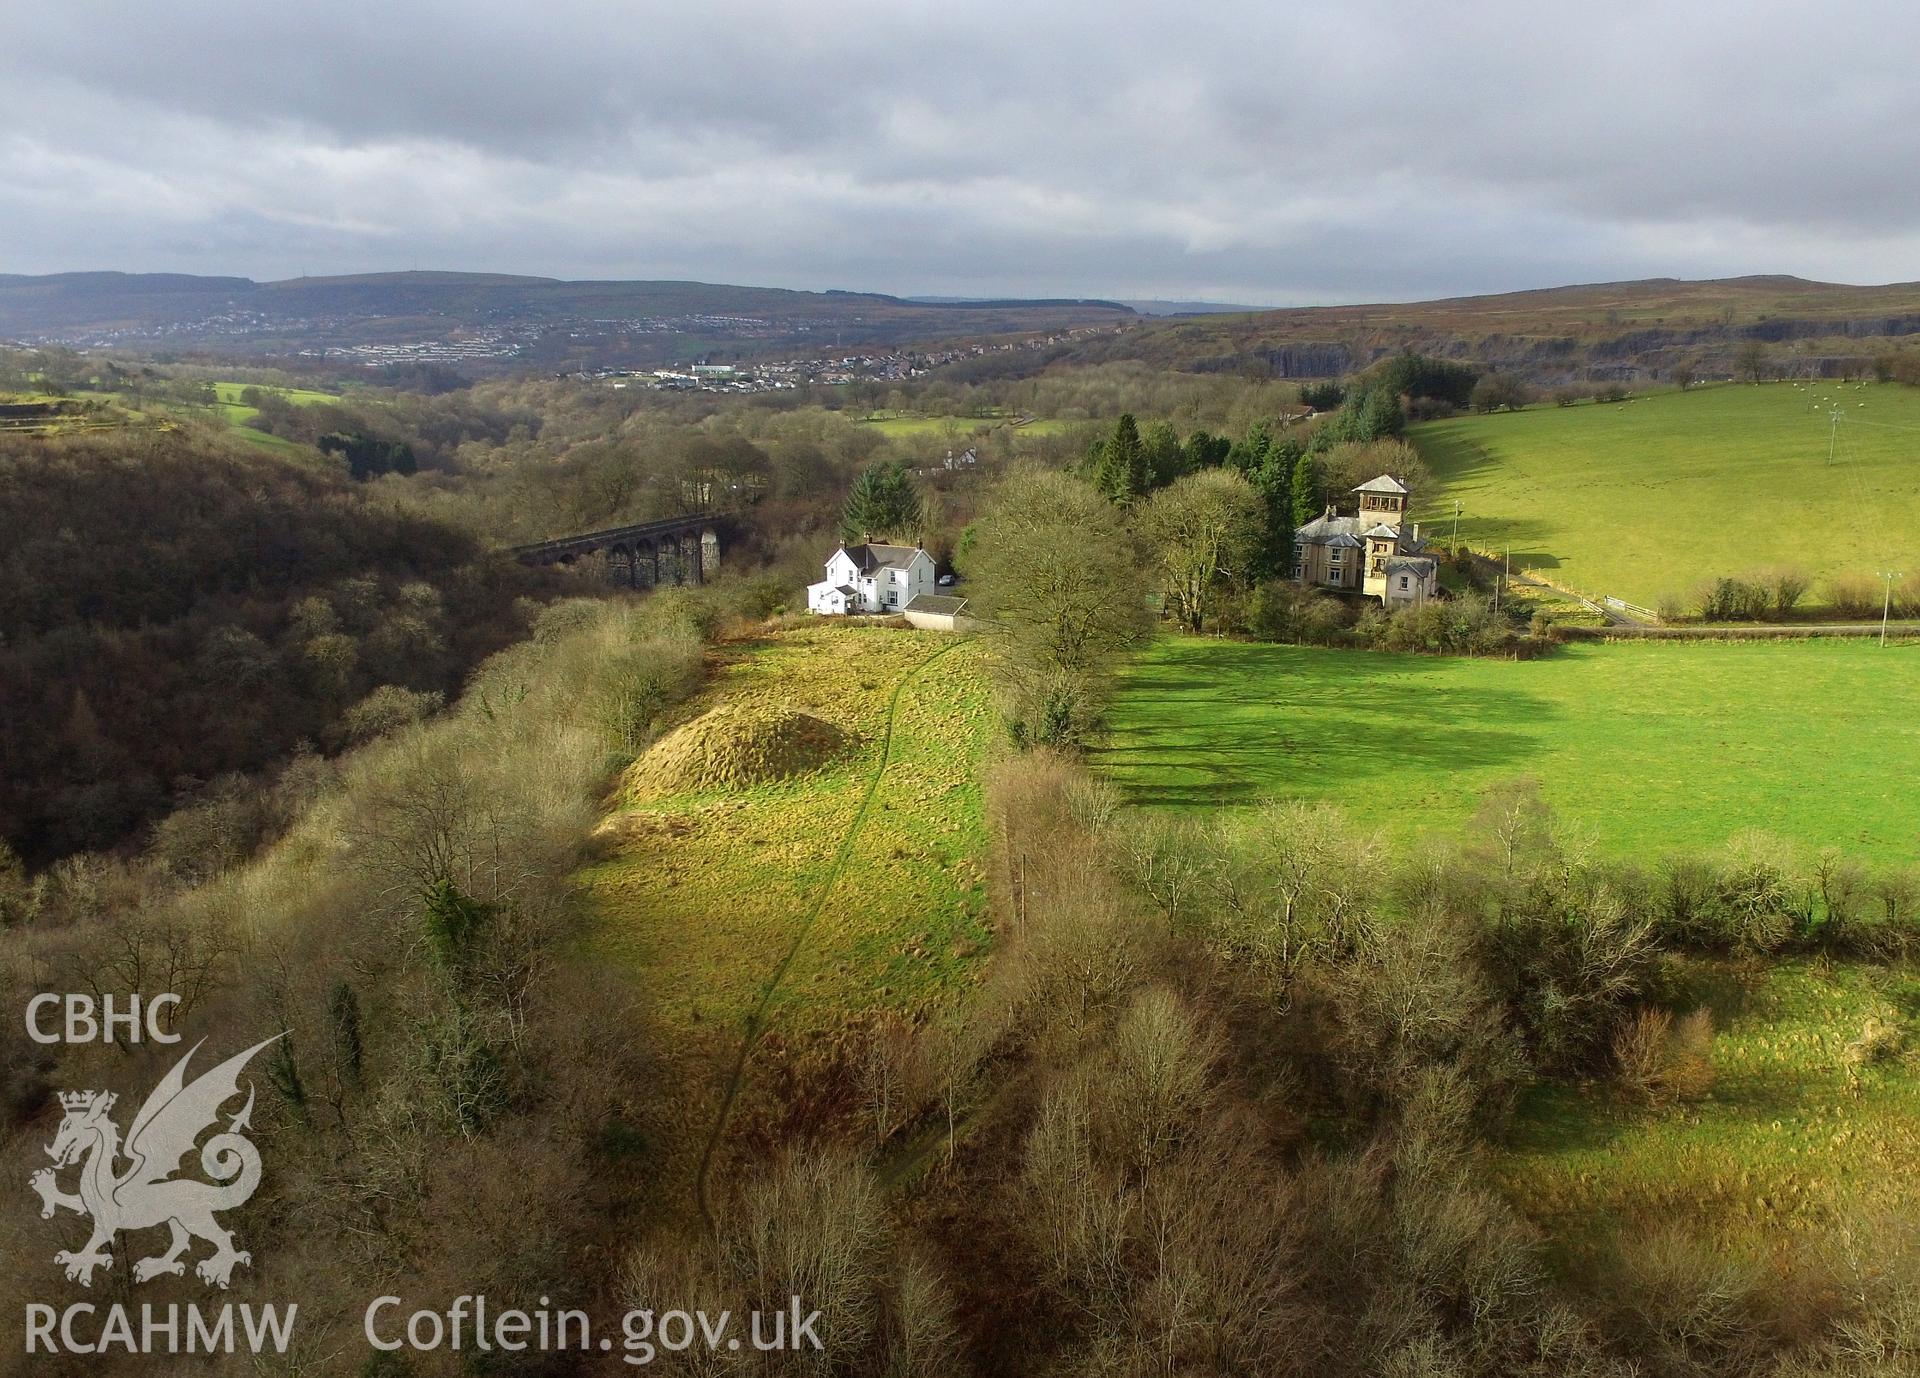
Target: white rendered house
872 579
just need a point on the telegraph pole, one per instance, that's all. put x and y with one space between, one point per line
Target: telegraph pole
1886 606
1833 435
1455 542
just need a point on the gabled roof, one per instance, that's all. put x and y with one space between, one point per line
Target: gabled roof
1386 483
942 603
1385 532
1410 564
867 558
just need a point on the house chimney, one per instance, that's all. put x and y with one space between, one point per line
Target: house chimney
1416 533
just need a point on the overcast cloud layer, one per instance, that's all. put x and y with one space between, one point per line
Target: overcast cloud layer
1267 153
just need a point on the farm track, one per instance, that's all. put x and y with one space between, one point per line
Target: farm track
756 1021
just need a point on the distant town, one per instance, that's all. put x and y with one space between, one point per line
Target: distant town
501 345
771 375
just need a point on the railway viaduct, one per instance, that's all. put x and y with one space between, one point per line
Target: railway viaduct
669 550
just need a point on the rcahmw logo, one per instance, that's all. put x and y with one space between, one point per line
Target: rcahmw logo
146 1195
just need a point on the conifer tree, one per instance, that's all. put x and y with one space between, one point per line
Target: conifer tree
1204 451
454 925
1274 480
343 1021
1166 459
1250 455
882 504
1381 417
1305 484
1122 472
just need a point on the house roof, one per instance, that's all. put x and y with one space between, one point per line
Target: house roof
1385 532
1325 530
846 589
872 556
941 603
1410 564
1386 483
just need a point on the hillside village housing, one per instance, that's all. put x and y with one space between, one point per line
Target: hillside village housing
1370 552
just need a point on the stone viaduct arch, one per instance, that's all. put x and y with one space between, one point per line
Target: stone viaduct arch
670 550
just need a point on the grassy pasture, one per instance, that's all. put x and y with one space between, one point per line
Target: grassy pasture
913 426
1650 746
227 408
229 393
1793 1132
702 894
1652 495
238 413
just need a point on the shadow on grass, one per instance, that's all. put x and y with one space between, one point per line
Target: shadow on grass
1556 1119
1746 1093
1215 723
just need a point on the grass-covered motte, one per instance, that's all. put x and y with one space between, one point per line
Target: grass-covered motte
1649 746
1648 497
703 894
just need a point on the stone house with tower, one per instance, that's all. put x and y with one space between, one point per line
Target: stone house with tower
1373 552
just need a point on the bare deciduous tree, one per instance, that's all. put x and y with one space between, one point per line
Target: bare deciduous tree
1205 529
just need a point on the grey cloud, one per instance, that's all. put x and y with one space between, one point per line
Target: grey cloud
1260 152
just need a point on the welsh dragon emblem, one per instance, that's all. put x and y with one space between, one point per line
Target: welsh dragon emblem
146 1194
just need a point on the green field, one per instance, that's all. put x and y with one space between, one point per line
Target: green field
1648 497
1649 745
227 408
913 426
1792 1130
229 395
238 413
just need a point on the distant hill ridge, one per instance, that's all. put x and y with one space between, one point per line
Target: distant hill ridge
503 320
89 286
1591 331
1634 330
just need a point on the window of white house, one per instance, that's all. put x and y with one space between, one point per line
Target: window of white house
1403 581
1333 556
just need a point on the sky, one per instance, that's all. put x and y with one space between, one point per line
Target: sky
1260 153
